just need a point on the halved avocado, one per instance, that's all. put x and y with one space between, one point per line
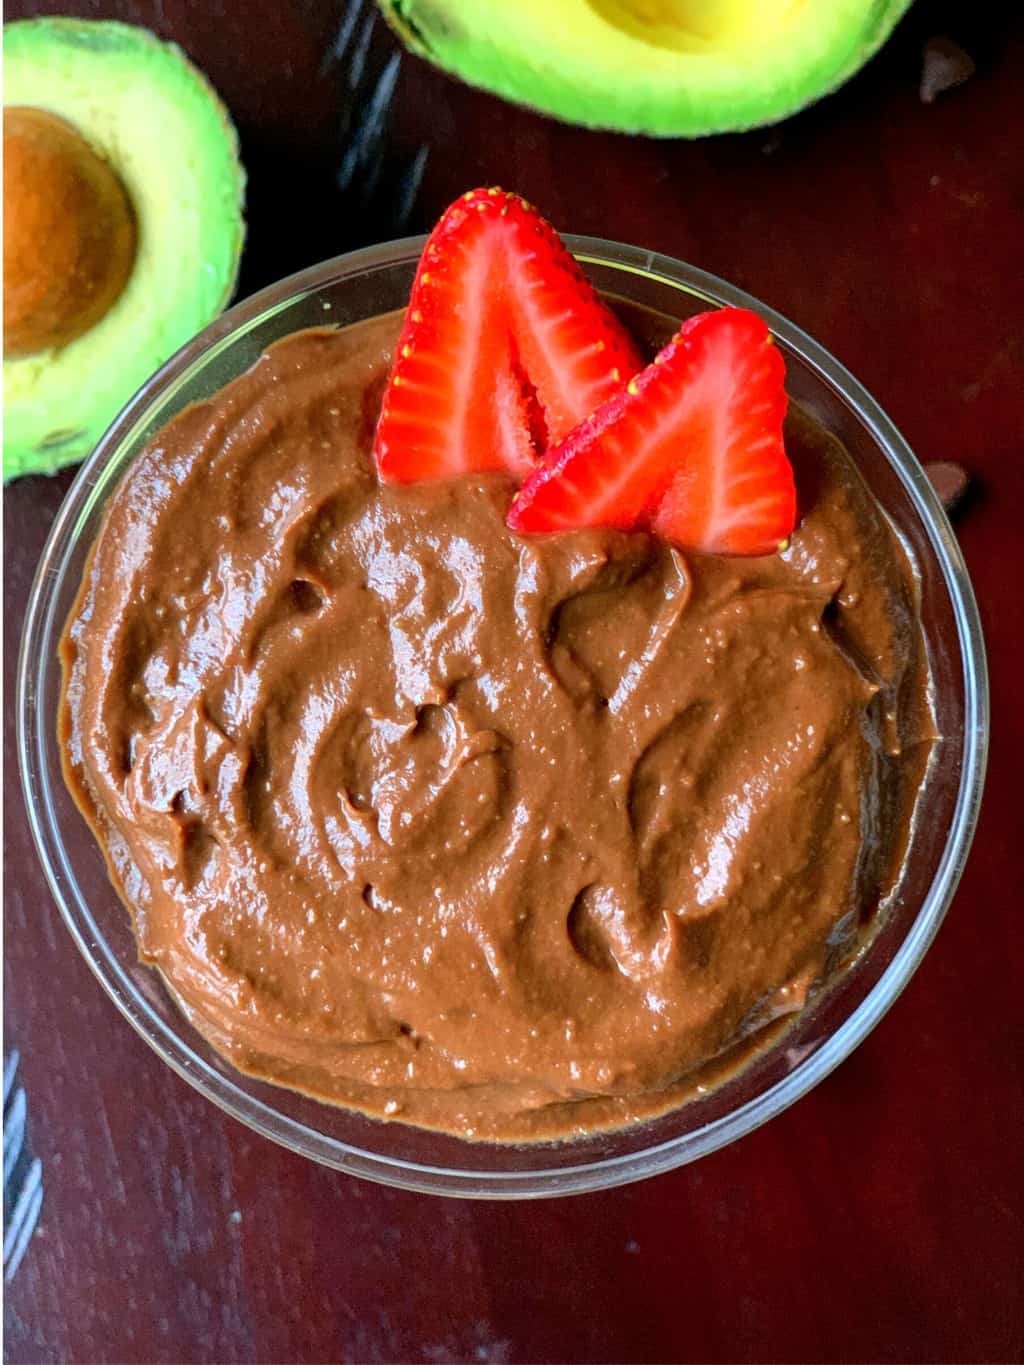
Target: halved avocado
670 68
123 198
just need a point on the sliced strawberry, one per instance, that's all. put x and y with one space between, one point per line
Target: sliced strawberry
691 448
505 346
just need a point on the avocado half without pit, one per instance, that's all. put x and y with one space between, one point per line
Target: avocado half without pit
670 68
123 225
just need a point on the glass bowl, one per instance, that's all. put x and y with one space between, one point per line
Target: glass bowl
357 286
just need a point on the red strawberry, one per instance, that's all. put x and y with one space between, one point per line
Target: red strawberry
691 448
505 346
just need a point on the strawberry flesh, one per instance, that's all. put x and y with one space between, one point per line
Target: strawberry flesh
690 448
505 346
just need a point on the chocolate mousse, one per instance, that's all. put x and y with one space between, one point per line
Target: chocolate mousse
504 835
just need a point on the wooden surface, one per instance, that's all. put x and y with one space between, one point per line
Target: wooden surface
878 1219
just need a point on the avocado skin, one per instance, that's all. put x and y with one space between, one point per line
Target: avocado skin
476 41
143 106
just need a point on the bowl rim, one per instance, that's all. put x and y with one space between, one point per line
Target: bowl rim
605 1172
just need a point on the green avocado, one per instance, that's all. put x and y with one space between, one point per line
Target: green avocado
670 68
146 111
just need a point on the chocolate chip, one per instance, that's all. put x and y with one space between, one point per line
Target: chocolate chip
944 65
949 480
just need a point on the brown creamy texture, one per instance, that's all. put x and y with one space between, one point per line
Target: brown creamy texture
506 836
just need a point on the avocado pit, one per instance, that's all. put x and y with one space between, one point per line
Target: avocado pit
69 233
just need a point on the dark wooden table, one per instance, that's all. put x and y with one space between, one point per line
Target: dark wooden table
881 1217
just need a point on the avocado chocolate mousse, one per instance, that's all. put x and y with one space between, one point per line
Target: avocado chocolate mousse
506 833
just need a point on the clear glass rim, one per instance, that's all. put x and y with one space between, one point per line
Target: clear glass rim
450 1180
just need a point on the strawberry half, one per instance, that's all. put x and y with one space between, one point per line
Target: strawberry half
690 448
505 347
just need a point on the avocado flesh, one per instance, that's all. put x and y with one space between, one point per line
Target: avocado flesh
142 106
670 68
